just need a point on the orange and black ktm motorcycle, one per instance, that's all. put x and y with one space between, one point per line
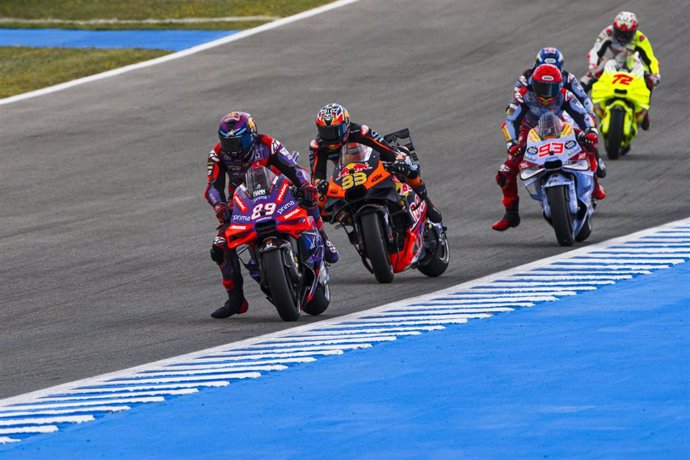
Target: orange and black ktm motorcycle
383 217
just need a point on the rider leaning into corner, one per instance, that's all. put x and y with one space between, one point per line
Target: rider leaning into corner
623 38
554 56
240 148
544 94
335 130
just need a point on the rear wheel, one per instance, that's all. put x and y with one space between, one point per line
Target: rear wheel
375 245
320 301
436 263
615 134
560 214
283 294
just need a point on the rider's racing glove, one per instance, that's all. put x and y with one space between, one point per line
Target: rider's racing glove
653 80
222 212
399 168
306 196
514 149
589 139
404 166
322 187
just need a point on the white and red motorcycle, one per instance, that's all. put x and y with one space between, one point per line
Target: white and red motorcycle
557 173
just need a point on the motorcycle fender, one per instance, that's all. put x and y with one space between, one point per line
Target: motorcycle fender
605 122
271 244
557 180
381 210
276 244
629 124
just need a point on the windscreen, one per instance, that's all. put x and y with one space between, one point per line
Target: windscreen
258 181
550 126
354 153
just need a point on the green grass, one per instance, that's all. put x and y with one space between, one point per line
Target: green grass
158 9
225 25
26 69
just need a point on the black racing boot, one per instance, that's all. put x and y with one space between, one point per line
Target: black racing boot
601 167
645 122
432 213
510 219
235 305
331 253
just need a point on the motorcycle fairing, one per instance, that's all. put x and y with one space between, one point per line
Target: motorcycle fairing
559 162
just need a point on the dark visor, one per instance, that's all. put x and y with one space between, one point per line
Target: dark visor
623 36
331 133
236 145
546 89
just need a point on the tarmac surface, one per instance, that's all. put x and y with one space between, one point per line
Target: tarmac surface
104 233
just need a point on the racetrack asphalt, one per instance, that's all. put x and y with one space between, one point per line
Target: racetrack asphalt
104 233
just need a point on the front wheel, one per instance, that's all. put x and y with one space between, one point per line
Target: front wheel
614 139
560 214
283 294
375 245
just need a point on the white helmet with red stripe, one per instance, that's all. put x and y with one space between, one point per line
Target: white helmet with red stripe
624 27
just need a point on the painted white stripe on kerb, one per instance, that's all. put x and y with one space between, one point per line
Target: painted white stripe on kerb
498 288
81 410
6 440
47 420
77 404
109 395
138 380
588 272
488 300
549 276
134 388
29 430
531 285
170 57
463 307
613 268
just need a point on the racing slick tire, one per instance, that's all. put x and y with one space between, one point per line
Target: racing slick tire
560 214
283 294
377 252
615 134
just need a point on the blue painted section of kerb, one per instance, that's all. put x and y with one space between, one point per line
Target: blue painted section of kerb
174 40
604 374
